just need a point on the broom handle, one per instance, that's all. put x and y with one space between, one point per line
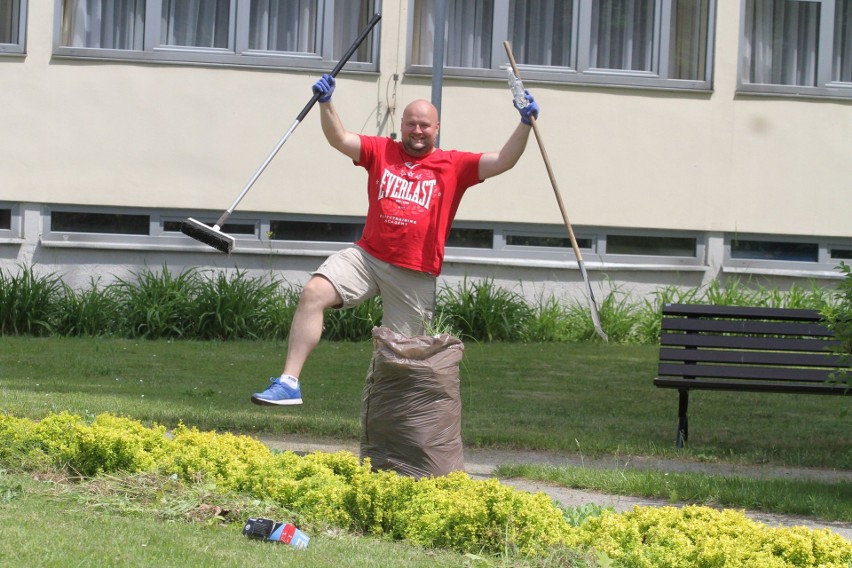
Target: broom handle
349 52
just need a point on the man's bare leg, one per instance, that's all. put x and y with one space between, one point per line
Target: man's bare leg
306 330
317 295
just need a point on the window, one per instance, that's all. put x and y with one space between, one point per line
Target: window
651 246
310 34
13 18
539 241
774 250
106 223
797 47
751 254
471 238
5 219
841 253
653 43
331 232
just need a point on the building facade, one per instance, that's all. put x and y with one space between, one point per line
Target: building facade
691 140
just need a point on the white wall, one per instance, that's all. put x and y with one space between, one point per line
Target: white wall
110 133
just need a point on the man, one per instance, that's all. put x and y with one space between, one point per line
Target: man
414 191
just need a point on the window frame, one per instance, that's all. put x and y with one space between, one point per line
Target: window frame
20 47
500 253
581 72
824 262
826 88
237 54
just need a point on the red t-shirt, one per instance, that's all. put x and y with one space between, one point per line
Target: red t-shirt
412 201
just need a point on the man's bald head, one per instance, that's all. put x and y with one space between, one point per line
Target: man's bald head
419 128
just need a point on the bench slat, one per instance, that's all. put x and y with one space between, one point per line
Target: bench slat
749 342
741 312
744 372
831 388
744 326
751 357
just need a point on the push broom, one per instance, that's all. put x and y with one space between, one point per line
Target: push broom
515 78
214 236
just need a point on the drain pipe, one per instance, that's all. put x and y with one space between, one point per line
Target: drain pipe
438 59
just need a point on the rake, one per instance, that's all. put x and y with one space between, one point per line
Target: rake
596 320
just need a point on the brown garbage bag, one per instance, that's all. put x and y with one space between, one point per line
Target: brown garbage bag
411 404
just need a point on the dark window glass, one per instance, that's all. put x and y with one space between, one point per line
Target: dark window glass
315 231
845 254
557 242
650 246
772 250
471 238
5 218
10 13
110 223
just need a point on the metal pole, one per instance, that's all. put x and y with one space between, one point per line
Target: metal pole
438 58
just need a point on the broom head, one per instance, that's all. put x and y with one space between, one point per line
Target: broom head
208 235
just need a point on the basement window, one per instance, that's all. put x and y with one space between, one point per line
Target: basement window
105 223
651 246
471 238
774 250
840 253
538 241
318 231
6 219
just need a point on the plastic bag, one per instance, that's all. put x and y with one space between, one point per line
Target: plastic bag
411 404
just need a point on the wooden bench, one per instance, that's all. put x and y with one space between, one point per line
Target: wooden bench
732 348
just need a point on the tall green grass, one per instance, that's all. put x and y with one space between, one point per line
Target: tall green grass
155 304
28 302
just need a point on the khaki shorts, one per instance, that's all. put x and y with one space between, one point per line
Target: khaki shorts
408 296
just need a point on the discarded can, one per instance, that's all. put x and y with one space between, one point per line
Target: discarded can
267 529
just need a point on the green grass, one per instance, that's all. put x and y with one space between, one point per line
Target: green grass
827 501
210 304
590 398
48 524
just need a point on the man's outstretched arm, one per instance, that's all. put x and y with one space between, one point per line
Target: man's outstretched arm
348 143
495 163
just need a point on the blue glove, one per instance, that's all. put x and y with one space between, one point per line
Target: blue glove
324 87
531 110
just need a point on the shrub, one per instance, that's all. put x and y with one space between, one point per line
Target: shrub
482 311
28 302
839 314
355 324
109 444
454 511
702 536
89 313
471 516
233 306
838 318
160 305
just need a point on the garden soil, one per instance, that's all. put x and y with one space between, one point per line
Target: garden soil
482 463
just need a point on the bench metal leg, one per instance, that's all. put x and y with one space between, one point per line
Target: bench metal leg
682 420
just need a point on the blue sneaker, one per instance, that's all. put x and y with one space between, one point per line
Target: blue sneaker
278 394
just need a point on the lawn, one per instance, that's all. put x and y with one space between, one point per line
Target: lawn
562 398
593 399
